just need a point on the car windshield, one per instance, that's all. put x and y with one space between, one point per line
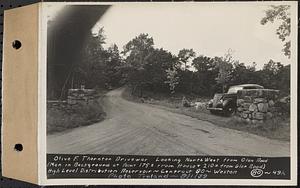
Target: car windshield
234 89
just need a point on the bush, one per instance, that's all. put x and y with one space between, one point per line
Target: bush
61 117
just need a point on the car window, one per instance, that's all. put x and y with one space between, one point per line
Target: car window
233 90
253 87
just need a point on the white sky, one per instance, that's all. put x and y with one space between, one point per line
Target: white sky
210 29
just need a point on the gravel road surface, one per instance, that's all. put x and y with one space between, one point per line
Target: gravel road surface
140 129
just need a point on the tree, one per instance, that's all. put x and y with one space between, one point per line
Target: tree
206 72
100 67
90 70
224 74
280 13
172 79
156 64
113 69
184 56
272 67
283 80
136 52
269 74
242 74
224 64
203 63
138 48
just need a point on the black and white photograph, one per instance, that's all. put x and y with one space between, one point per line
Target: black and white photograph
170 79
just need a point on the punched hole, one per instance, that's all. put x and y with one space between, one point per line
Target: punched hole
16 44
18 147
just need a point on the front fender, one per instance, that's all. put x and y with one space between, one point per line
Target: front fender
228 102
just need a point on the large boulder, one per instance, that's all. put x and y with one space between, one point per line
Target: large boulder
262 107
252 108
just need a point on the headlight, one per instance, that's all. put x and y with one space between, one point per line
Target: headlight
210 101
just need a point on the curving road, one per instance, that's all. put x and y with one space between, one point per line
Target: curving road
141 129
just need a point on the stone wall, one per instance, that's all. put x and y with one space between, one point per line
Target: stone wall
257 105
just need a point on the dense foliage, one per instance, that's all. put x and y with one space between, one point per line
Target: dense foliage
145 68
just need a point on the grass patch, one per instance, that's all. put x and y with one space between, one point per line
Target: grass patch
62 116
278 128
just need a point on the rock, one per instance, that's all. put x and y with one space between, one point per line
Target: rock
254 121
259 100
240 102
71 101
240 114
258 116
252 108
239 109
271 103
247 99
263 107
272 109
246 105
269 115
248 120
245 115
285 99
260 121
250 116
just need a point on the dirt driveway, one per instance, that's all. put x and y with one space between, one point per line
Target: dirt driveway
140 129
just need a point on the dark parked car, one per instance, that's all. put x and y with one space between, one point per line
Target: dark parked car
226 102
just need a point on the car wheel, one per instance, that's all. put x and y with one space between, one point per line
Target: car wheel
230 111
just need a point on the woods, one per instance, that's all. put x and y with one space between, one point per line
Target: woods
144 67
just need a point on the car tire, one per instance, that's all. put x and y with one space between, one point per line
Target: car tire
230 111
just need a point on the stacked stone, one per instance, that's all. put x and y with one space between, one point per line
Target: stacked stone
81 95
256 105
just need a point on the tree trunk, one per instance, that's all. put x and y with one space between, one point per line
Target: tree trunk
141 91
